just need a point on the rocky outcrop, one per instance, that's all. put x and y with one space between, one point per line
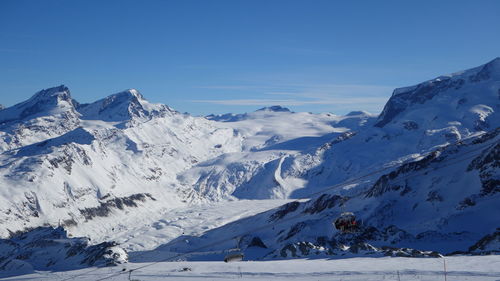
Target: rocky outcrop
47 248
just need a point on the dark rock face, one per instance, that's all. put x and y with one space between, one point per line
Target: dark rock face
228 117
421 93
284 210
357 244
43 100
489 244
410 125
232 117
343 137
47 248
275 108
295 229
323 202
384 184
106 206
331 248
487 164
257 242
417 95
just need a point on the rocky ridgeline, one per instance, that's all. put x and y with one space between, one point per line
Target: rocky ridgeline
47 248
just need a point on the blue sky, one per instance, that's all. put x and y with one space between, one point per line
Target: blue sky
234 56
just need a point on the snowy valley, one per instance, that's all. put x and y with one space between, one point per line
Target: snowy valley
125 180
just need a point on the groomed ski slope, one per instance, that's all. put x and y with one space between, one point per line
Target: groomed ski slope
463 268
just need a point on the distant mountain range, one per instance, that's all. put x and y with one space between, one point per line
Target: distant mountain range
94 167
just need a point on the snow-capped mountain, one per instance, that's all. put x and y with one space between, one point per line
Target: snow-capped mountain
232 117
66 162
103 168
123 107
415 120
82 165
443 201
446 201
271 138
437 112
49 113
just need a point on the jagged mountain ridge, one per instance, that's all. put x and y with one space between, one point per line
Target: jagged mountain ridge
49 113
71 162
123 106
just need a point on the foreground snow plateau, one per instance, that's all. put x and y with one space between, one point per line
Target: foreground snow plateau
483 268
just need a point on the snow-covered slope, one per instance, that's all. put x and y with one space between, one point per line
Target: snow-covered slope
271 138
445 202
124 106
461 268
77 163
416 119
112 168
85 165
49 113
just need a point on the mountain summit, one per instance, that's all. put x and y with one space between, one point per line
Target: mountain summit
46 102
122 106
453 92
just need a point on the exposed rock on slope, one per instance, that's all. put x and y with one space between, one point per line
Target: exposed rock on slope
60 160
47 248
436 204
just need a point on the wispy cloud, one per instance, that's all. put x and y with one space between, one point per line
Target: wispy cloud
339 96
297 88
294 102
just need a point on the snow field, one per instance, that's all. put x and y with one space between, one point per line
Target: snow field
460 268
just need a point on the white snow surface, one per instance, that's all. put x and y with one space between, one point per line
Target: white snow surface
463 268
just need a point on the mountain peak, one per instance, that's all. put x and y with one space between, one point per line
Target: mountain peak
130 93
45 102
495 61
59 92
122 106
275 108
459 82
358 112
